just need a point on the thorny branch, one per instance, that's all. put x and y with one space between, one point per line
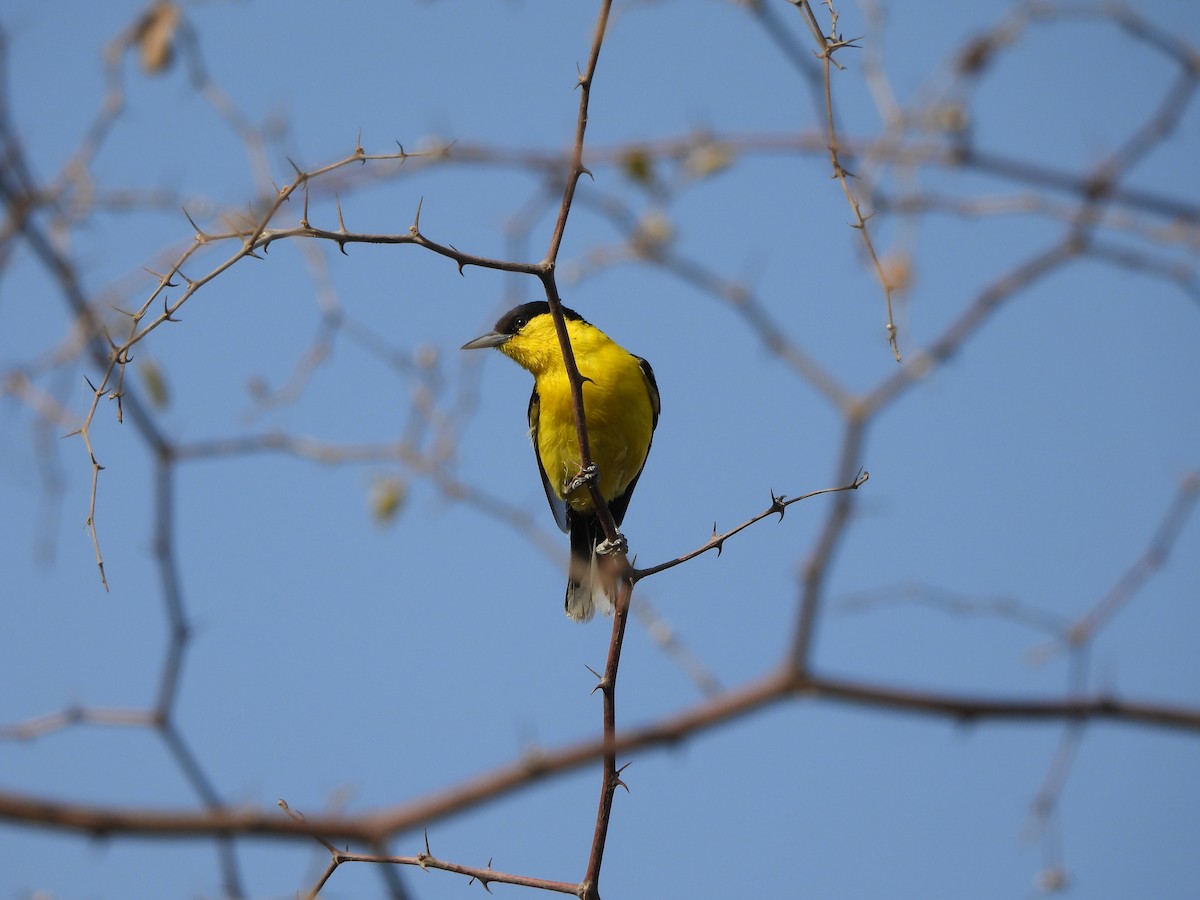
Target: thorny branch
779 505
486 875
828 45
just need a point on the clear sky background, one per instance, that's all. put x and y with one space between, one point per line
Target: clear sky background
340 662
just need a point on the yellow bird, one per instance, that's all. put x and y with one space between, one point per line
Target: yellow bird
620 402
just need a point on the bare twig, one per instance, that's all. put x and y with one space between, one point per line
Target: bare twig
1126 587
828 45
778 505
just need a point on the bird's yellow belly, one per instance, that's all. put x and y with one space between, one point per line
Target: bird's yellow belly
619 428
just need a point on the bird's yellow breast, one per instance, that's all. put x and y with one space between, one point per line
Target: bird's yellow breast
616 401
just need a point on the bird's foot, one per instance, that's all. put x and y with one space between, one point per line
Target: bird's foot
585 476
620 545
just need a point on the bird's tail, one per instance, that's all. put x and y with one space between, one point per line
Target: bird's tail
589 586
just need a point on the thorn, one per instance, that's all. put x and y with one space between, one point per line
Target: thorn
201 237
584 170
423 858
714 541
779 504
415 228
167 317
292 163
617 782
601 681
341 225
358 150
89 383
484 882
163 280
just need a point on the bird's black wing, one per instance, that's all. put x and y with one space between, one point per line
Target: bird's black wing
618 505
652 387
557 505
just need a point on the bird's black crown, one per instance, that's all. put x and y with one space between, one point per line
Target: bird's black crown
518 317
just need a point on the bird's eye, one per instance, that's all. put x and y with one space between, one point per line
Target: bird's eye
521 323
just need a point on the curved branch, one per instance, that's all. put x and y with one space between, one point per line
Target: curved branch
370 827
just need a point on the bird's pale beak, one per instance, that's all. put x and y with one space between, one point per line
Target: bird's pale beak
491 339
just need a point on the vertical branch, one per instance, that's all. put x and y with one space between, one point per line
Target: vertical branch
546 274
577 168
590 888
610 778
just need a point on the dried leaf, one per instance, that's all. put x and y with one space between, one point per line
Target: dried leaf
155 37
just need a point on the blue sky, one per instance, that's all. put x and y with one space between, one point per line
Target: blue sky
336 662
